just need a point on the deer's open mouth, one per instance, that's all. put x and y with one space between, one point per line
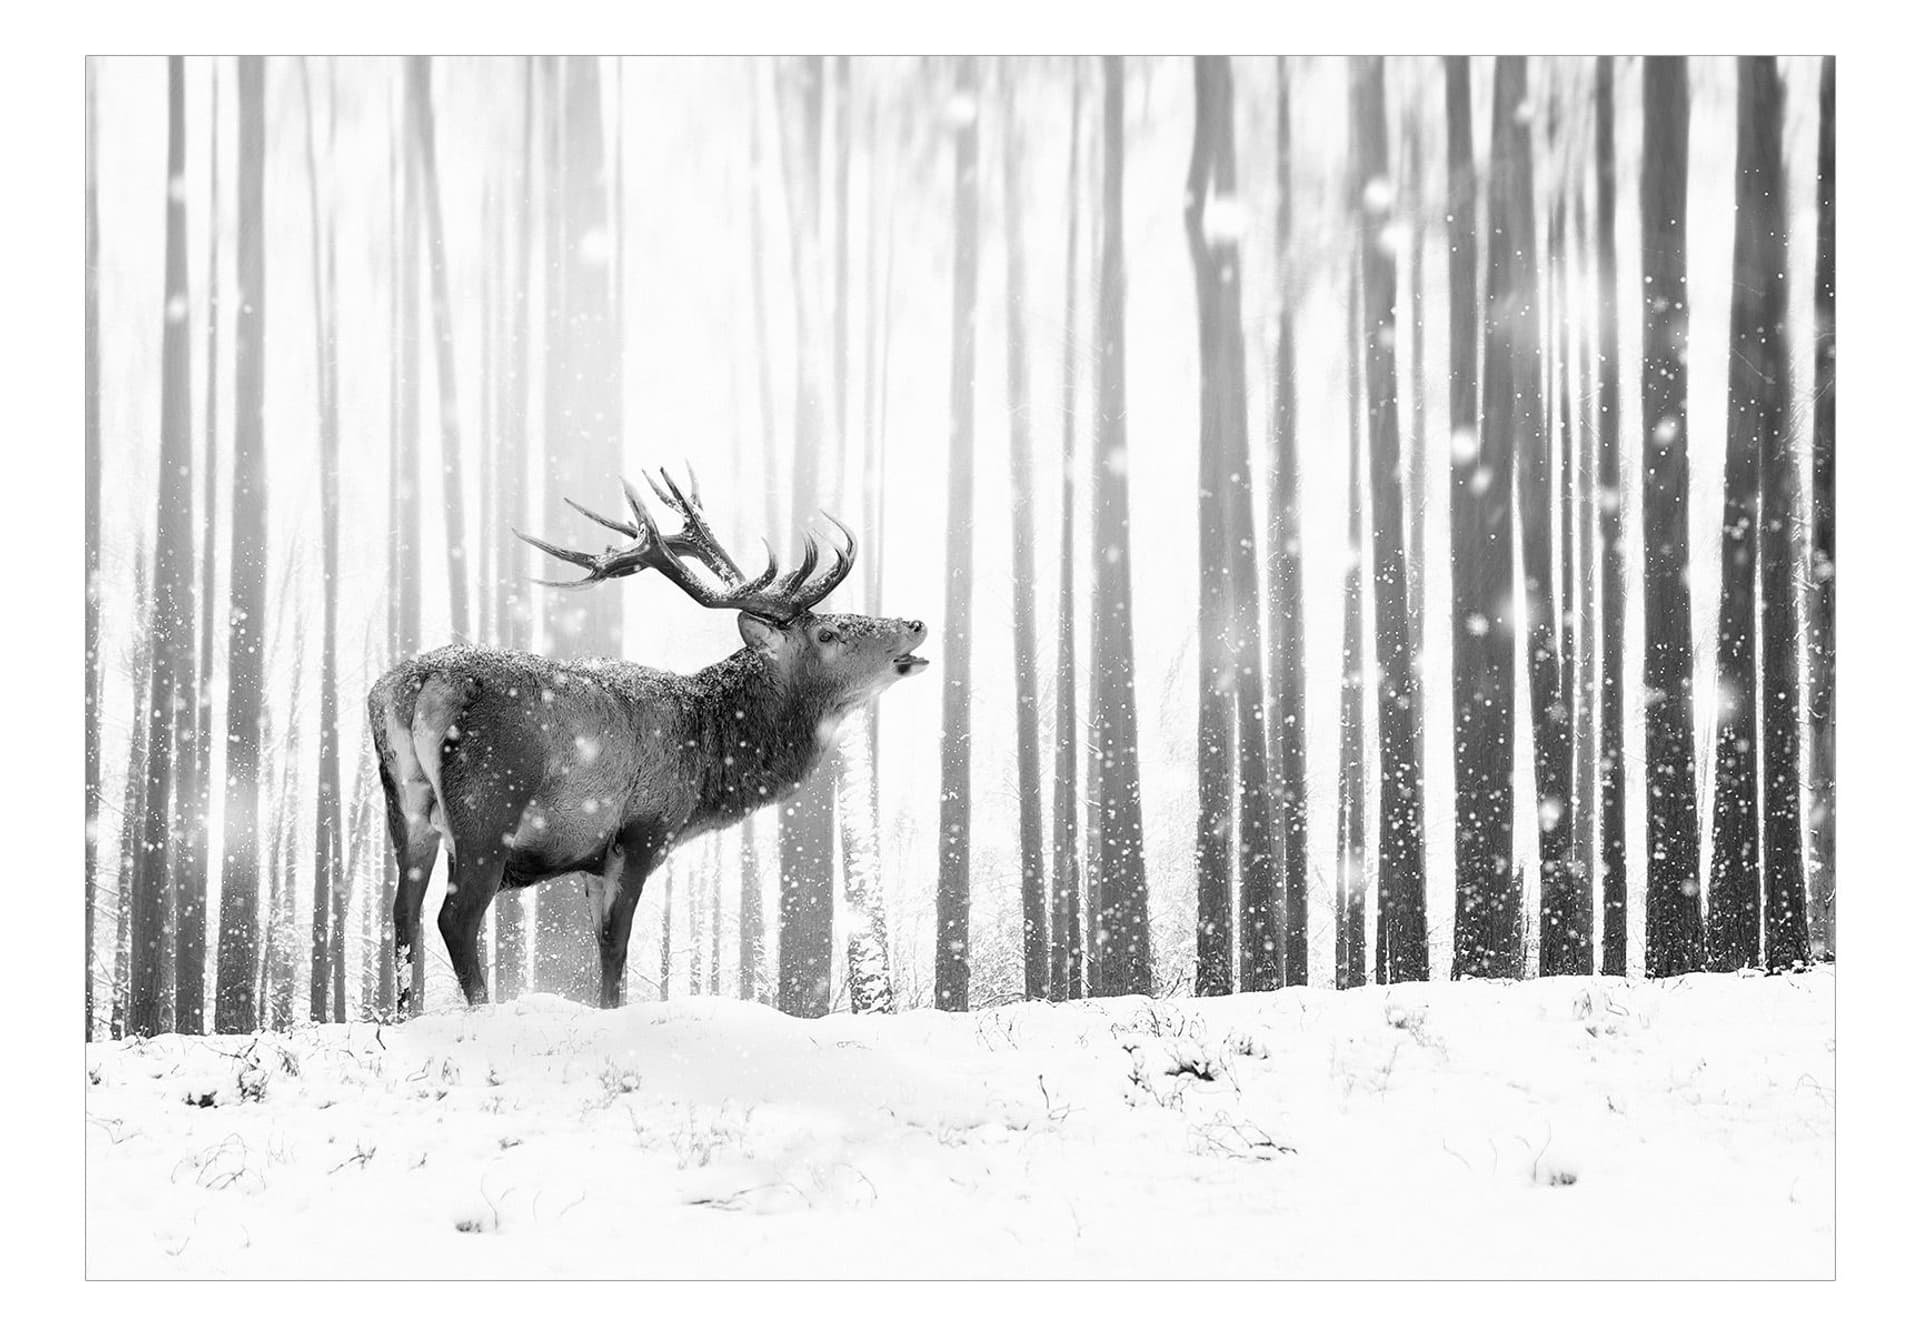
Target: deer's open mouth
906 664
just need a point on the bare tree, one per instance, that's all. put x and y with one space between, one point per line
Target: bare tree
171 628
952 970
1821 643
1069 978
1673 831
1613 555
1287 625
1487 921
1350 876
92 467
236 1008
1402 926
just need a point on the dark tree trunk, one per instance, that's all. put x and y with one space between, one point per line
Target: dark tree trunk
1673 823
171 629
1402 925
1350 875
1759 384
1613 554
236 1005
1487 913
1121 939
328 973
133 796
806 820
1068 970
1517 405
1287 625
953 896
92 467
1026 648
1821 643
1214 755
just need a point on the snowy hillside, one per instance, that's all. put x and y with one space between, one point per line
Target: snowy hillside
1556 1127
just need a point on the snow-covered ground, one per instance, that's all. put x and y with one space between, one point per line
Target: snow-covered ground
1555 1127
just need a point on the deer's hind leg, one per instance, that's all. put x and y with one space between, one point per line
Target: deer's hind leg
416 845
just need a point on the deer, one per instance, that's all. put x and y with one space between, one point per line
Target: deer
528 768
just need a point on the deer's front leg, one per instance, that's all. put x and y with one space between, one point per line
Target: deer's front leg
639 848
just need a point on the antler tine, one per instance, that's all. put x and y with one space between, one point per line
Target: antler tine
693 481
795 579
696 534
589 563
836 573
615 524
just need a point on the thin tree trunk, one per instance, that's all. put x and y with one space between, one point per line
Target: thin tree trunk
1068 972
91 465
1613 555
806 820
1350 883
1026 648
1487 910
236 1003
1122 939
132 804
1674 934
751 929
420 101
1821 643
172 599
1214 754
1402 925
952 969
869 971
1287 716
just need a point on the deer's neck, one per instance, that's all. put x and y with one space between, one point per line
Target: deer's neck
758 738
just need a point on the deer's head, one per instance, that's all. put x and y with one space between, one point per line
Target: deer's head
840 659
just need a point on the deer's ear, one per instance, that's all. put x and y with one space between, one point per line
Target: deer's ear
758 635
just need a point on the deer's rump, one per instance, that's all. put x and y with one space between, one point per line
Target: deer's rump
541 750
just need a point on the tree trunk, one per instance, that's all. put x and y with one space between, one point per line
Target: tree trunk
1069 978
953 897
869 971
420 101
1213 751
1673 827
1821 643
1760 382
92 466
1287 626
1518 406
806 820
1350 876
132 815
1613 554
1122 941
1402 925
171 628
751 930
328 974
1487 908
236 1005
1026 649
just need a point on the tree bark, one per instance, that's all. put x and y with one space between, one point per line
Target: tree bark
1402 925
1350 876
1069 976
1821 643
953 896
150 1007
1026 649
1286 718
1613 554
1674 935
91 464
1122 941
236 1005
1487 909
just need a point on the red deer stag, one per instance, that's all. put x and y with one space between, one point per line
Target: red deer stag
528 768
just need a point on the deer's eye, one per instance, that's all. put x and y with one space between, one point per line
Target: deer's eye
827 636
